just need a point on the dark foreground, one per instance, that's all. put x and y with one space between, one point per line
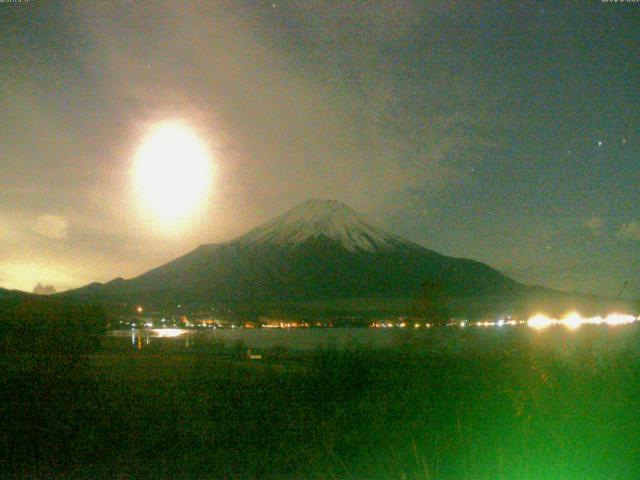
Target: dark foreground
525 412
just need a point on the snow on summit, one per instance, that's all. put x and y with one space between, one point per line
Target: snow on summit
322 218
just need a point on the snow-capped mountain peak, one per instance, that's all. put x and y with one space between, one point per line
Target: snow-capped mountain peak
322 218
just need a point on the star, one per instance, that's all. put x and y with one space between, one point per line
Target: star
624 141
600 142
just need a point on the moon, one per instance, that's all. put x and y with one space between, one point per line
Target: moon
172 171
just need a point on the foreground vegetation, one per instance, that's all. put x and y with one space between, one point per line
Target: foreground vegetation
519 412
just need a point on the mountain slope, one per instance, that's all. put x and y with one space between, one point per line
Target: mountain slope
13 294
321 250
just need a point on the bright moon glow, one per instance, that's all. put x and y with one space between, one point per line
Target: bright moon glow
172 171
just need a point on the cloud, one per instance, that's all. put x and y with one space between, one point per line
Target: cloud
630 231
45 289
51 226
595 224
23 272
331 117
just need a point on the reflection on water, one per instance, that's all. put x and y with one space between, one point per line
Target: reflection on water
169 332
141 337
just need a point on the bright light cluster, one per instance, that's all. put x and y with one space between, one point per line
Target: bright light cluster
574 320
168 332
285 324
499 323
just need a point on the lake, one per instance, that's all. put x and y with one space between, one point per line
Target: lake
599 339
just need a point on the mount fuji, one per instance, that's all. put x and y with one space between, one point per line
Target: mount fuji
321 251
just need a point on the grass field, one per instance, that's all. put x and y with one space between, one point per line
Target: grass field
520 412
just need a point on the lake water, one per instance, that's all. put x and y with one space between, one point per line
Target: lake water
601 339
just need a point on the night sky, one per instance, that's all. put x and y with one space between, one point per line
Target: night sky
507 132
